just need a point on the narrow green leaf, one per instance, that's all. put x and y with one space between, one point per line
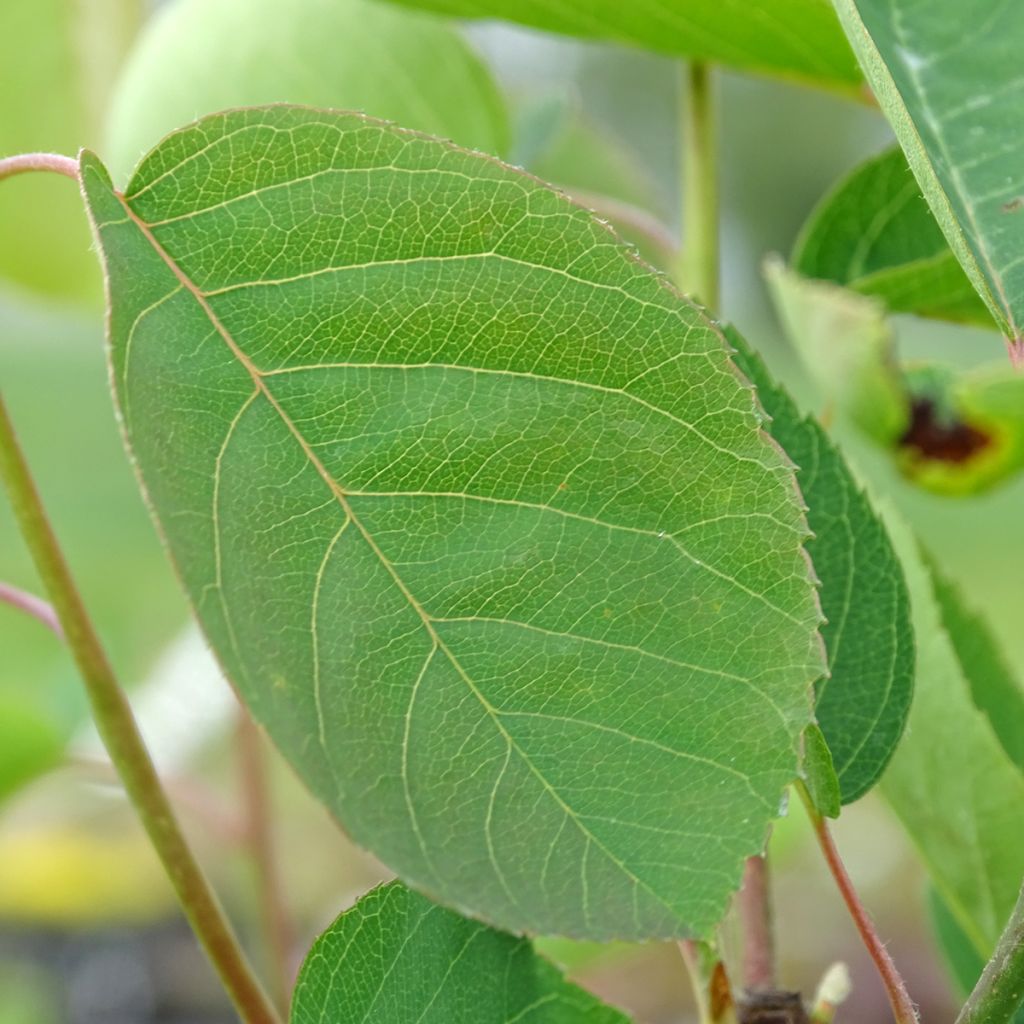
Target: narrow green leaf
196 58
474 509
820 774
994 688
798 39
395 958
949 431
862 706
59 58
952 784
947 75
875 234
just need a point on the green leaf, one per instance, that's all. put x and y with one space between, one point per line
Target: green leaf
862 706
875 234
994 688
58 58
352 54
30 742
474 509
395 958
962 959
952 784
820 774
947 76
798 39
949 431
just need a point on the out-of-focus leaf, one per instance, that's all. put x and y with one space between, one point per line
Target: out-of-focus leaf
862 705
30 741
947 75
875 234
396 957
951 783
949 431
994 688
196 57
452 481
58 58
798 39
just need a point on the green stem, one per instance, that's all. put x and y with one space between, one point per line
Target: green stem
999 992
121 736
698 269
902 1005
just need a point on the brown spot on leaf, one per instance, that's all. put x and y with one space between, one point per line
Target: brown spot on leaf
772 1008
1015 204
944 439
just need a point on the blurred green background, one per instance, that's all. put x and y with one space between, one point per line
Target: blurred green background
87 925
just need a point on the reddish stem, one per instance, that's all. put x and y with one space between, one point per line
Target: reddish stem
756 917
899 999
31 605
25 162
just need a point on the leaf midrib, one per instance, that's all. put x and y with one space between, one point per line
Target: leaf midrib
342 499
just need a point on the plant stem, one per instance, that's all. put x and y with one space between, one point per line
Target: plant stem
123 741
694 959
698 269
755 910
31 605
25 162
902 1005
999 992
277 930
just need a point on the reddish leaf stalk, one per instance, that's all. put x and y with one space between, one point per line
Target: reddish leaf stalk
902 1005
25 162
755 910
31 605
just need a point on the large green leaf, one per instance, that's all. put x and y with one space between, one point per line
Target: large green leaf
196 57
798 39
947 75
474 509
875 234
396 958
863 704
58 59
949 431
958 793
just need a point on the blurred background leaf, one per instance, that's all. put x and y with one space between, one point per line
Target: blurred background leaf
59 59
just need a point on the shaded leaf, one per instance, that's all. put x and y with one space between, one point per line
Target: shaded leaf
863 705
952 784
351 54
820 774
949 431
875 234
474 509
797 39
396 958
947 75
59 58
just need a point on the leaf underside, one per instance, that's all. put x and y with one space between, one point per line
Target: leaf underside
876 235
474 510
395 957
798 39
863 705
947 75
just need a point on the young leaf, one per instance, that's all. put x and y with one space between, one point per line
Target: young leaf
351 54
397 957
875 234
949 431
474 509
798 39
862 705
947 76
59 60
951 782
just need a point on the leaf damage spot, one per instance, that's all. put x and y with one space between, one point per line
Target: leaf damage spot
935 435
